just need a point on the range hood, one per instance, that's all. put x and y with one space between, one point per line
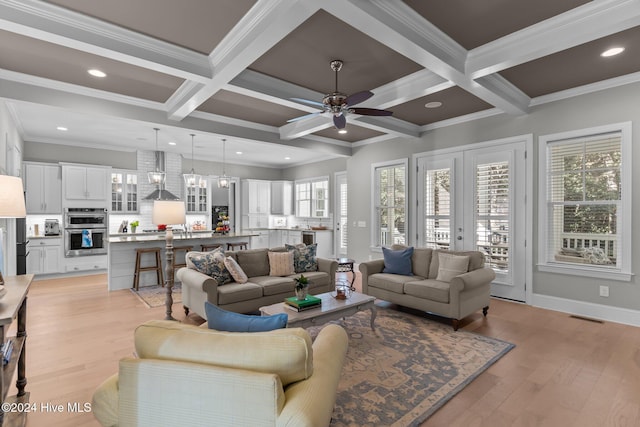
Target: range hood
161 193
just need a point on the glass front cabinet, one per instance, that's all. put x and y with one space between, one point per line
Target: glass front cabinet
196 197
124 191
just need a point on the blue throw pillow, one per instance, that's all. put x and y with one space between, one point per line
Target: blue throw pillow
223 320
397 262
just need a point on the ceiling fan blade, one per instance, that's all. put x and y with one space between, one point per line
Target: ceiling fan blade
359 97
308 101
371 112
306 116
340 121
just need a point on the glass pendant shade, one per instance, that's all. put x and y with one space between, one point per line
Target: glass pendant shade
223 181
156 177
192 179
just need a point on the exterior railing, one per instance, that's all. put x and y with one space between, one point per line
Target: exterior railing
590 240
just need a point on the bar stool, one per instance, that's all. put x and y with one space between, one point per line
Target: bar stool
157 267
240 245
207 248
177 249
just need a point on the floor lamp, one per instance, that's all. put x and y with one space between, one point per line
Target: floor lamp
11 206
168 212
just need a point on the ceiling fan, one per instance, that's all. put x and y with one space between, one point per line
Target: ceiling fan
339 104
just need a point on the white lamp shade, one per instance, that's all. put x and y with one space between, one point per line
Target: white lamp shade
11 197
168 212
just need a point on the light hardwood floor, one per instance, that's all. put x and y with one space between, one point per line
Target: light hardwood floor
563 371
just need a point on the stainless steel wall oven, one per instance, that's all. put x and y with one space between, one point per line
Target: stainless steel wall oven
85 231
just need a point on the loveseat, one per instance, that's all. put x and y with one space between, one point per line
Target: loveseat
192 376
429 286
261 288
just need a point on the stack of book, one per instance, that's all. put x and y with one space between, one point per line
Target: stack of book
300 305
6 349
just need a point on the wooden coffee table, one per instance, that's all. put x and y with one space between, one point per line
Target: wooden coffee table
331 309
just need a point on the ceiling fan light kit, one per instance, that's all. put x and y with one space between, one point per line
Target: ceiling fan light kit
339 104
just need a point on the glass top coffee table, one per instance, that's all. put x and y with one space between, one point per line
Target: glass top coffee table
331 309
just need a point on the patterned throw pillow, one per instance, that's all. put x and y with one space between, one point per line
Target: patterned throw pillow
595 256
304 257
235 270
281 263
210 263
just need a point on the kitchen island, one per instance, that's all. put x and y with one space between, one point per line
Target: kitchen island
122 253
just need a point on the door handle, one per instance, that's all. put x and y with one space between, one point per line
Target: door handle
459 237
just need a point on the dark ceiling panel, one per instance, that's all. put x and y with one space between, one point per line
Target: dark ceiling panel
303 58
198 25
354 133
243 107
474 23
578 66
51 61
455 102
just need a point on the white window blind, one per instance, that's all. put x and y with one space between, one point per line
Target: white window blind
344 220
390 205
493 214
437 214
584 195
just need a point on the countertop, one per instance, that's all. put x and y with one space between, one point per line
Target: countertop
290 229
153 237
42 236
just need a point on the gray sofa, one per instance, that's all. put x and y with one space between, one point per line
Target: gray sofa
461 296
260 290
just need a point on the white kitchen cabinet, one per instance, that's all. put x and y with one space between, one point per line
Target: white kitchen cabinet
281 197
256 196
260 240
196 198
86 263
253 221
85 182
292 237
124 191
43 188
275 238
44 256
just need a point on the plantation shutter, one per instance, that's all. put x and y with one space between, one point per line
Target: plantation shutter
493 209
437 214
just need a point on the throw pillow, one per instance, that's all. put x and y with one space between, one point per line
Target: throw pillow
451 266
235 270
209 263
280 263
397 262
304 257
222 320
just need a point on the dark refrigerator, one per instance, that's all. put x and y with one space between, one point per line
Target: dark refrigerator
21 246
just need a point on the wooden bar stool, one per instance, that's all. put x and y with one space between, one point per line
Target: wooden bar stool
207 248
177 249
157 267
239 245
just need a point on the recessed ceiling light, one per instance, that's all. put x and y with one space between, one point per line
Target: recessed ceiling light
238 152
287 158
172 143
342 131
612 52
433 104
62 128
97 73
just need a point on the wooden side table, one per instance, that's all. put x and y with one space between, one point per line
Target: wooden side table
345 265
14 305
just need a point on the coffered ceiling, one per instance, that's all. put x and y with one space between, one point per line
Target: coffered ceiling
236 69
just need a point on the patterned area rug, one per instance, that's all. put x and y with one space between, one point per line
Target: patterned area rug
409 367
154 296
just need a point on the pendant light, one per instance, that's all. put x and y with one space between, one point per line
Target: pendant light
156 177
223 181
192 180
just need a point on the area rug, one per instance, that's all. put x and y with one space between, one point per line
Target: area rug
154 296
409 367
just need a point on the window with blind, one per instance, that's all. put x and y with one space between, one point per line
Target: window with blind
390 204
312 198
437 216
586 200
493 214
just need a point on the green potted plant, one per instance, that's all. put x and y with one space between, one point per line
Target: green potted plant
134 225
302 287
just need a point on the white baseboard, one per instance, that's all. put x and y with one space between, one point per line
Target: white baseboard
588 309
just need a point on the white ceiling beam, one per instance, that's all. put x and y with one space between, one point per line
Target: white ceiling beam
301 128
414 37
268 22
64 27
583 24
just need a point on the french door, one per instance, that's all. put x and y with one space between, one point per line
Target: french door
475 199
341 227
